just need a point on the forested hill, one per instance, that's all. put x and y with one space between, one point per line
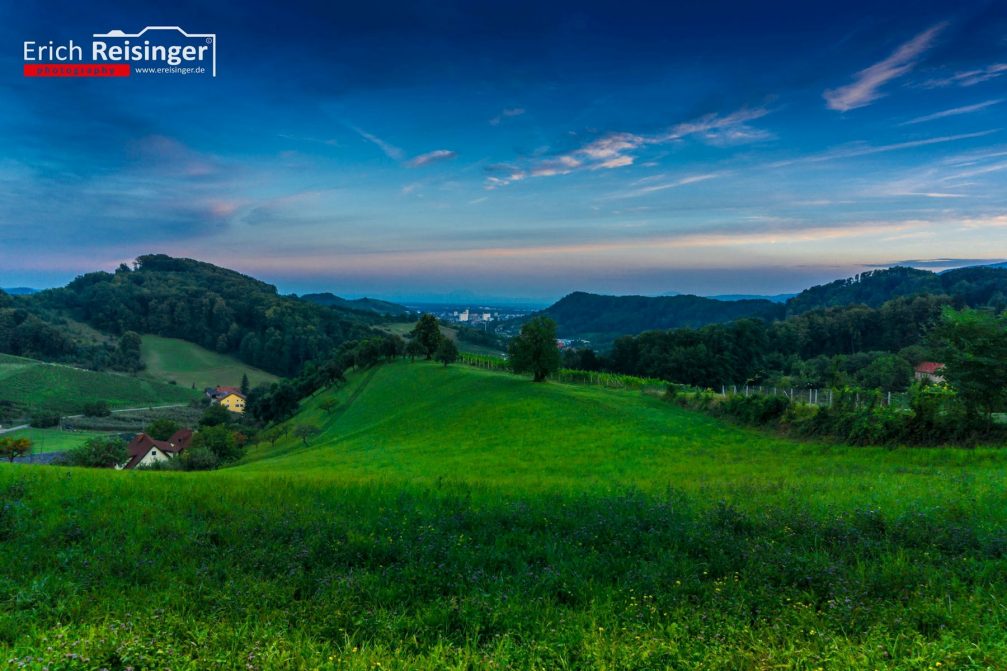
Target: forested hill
602 318
217 308
974 286
362 304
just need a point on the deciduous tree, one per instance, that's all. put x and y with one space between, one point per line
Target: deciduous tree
534 350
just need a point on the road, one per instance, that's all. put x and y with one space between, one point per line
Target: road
149 407
14 428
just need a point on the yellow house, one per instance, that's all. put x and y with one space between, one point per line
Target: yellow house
233 401
229 397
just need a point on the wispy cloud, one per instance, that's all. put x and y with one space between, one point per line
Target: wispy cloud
390 150
955 111
618 149
431 157
855 150
969 77
866 85
664 186
506 114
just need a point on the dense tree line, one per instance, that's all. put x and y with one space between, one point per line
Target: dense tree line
969 287
28 331
601 319
873 347
219 309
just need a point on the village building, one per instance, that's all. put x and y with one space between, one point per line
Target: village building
229 397
929 371
145 451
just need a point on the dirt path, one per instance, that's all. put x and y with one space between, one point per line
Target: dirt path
149 407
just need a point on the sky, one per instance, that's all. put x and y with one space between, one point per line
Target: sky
515 150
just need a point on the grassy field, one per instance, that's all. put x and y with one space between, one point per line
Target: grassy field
33 385
457 518
189 364
53 440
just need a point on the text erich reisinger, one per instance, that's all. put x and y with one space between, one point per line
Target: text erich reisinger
115 55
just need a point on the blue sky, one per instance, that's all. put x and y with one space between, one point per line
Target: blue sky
516 149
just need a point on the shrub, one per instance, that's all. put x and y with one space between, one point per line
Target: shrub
45 419
756 409
220 440
162 428
216 415
98 452
97 409
198 459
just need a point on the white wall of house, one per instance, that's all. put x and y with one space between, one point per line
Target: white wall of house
153 456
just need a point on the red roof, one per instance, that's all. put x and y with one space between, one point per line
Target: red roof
142 444
929 367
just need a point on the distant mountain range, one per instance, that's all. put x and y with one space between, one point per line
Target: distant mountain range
600 319
362 304
776 298
18 291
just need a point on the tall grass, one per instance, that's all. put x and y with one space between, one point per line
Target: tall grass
456 518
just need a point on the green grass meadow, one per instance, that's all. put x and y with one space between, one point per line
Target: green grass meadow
33 385
53 440
189 364
454 518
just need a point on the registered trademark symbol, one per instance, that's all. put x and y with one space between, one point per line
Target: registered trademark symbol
209 40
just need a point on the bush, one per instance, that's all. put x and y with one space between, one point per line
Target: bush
162 428
98 452
756 409
97 409
220 441
216 415
198 459
45 420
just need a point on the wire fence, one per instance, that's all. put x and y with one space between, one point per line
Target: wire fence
819 397
823 397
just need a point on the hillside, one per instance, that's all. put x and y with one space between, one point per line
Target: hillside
361 304
456 518
974 286
489 429
188 365
29 385
215 308
601 319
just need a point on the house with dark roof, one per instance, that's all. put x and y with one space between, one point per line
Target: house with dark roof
929 371
144 450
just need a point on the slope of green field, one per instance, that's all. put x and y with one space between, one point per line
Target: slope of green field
426 424
452 518
189 364
33 385
54 440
